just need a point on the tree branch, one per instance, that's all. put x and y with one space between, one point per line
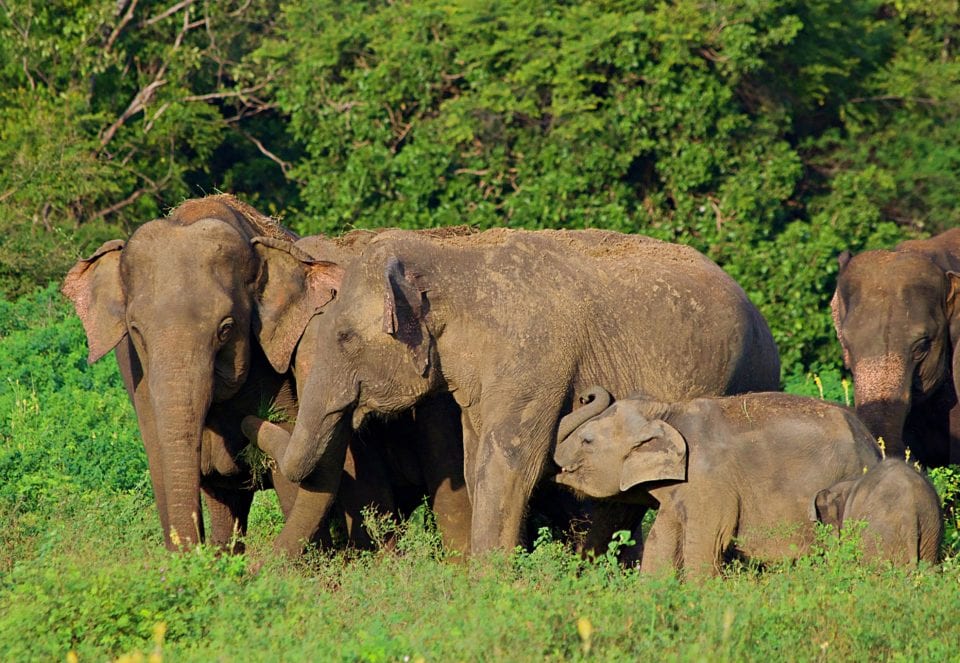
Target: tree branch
119 28
226 95
168 12
139 102
284 165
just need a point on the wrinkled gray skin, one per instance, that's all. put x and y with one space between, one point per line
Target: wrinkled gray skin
421 448
900 510
897 317
177 303
512 324
731 476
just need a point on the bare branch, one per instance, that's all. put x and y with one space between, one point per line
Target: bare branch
168 12
226 95
23 32
898 98
131 199
140 101
240 9
120 26
160 111
145 95
284 165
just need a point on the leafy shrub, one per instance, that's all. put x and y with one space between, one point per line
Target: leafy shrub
64 423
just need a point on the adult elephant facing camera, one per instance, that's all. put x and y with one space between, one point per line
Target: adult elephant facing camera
177 302
897 316
512 324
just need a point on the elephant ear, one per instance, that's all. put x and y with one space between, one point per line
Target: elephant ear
94 287
844 258
837 307
837 312
404 310
953 319
659 453
291 288
829 503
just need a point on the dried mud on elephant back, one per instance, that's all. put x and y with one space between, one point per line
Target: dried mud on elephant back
198 208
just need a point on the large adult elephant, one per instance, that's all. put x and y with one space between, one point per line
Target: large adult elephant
513 324
177 301
421 449
897 316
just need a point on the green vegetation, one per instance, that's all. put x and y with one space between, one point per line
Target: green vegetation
769 134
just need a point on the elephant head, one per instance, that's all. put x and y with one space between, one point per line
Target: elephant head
897 317
177 301
369 350
618 449
830 503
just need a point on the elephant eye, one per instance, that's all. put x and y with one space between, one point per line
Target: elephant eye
921 348
587 440
226 327
344 336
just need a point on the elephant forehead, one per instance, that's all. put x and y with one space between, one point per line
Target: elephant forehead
207 247
891 277
620 417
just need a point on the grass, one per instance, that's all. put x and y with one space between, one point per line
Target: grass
83 572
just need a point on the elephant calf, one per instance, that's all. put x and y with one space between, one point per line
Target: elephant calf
731 475
899 508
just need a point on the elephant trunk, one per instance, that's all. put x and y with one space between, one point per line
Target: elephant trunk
882 388
594 401
317 439
181 394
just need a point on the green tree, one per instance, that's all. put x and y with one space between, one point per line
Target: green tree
113 111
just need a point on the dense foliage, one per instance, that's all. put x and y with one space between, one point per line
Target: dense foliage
770 134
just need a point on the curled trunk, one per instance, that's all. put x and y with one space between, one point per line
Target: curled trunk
594 401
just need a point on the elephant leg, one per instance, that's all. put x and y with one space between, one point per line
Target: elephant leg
314 498
515 442
954 435
662 549
229 509
707 532
440 450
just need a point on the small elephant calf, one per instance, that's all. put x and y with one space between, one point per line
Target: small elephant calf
732 474
899 508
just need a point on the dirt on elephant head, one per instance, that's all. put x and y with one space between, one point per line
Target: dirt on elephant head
222 205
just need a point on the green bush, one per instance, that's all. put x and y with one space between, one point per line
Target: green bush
64 425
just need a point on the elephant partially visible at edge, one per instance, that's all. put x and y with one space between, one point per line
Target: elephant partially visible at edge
512 324
897 317
730 475
900 510
177 301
